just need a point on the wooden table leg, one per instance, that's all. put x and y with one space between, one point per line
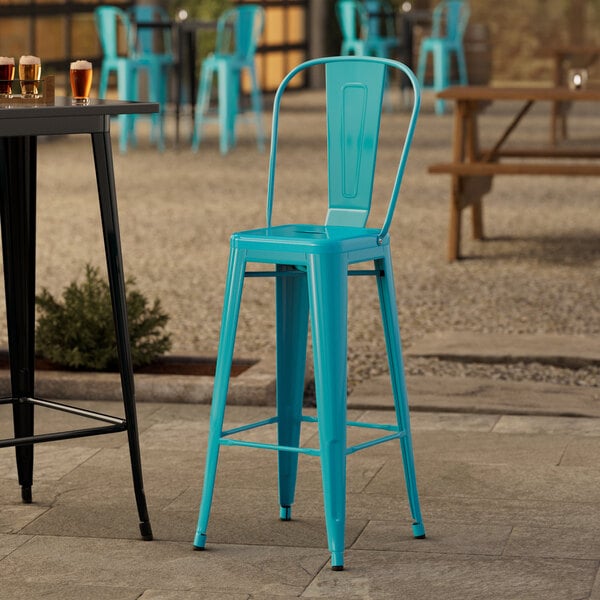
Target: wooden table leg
477 219
454 229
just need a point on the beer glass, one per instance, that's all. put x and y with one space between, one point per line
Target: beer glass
81 81
30 71
7 73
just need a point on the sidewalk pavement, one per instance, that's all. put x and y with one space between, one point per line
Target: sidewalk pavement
510 501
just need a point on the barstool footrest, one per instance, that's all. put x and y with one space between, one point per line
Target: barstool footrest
225 440
115 424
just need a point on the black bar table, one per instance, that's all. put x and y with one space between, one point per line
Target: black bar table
20 125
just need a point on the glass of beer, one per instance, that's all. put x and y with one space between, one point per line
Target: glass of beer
81 81
30 71
7 74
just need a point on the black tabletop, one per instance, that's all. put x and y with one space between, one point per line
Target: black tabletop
63 107
64 117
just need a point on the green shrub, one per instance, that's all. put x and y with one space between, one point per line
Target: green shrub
79 332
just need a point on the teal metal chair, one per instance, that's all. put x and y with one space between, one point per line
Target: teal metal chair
382 38
238 32
354 25
362 34
154 47
311 268
450 18
113 24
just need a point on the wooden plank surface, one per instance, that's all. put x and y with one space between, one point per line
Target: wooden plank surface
477 93
495 168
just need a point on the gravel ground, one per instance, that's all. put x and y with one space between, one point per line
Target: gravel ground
539 271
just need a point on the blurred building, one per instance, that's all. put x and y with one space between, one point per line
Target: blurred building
506 41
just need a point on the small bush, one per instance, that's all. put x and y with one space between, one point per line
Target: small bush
79 332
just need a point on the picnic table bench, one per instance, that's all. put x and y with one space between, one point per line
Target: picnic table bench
473 169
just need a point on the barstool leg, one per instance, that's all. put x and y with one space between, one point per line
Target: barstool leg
225 108
441 66
233 103
202 104
110 228
422 66
229 321
157 84
125 91
103 85
292 332
462 66
328 298
257 109
389 314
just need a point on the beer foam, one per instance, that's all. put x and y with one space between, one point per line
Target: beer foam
30 60
7 60
79 65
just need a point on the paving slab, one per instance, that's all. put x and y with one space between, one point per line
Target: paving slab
442 538
9 543
478 395
164 565
418 576
488 481
515 424
582 452
510 504
552 542
572 351
565 514
17 589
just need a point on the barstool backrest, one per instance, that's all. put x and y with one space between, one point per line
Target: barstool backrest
239 30
114 31
450 18
352 19
354 94
148 40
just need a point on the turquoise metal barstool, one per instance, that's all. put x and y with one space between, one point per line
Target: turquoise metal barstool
311 274
382 38
154 49
450 18
238 32
112 23
353 21
110 20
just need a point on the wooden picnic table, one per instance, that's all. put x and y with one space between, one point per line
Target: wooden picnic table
473 168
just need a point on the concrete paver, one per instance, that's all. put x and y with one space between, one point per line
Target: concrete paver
478 395
563 350
510 503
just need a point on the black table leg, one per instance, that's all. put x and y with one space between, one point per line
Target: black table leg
192 54
18 181
179 80
112 245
